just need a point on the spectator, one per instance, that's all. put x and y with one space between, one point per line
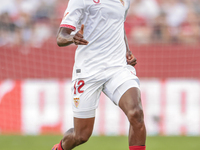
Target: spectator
7 28
146 9
142 13
41 32
176 13
190 31
159 30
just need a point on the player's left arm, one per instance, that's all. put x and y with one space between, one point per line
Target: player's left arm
130 58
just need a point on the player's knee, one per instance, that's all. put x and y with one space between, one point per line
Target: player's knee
136 116
80 139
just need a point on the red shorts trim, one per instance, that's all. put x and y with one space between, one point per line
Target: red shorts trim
68 26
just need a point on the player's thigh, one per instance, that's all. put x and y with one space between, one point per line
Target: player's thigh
120 82
130 101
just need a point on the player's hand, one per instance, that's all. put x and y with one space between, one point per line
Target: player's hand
78 37
130 58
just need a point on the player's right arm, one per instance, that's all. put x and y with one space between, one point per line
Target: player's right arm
72 17
64 37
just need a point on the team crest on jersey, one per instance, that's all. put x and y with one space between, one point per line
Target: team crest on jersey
96 1
122 1
76 101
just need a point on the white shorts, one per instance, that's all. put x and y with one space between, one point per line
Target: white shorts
114 82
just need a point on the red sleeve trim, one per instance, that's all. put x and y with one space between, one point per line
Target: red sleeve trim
68 26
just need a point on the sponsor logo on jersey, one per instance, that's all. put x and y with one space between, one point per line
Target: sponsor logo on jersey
122 1
96 1
65 15
76 101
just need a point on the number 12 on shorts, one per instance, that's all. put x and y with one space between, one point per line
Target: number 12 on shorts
78 85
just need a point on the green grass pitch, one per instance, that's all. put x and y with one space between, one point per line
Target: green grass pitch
8 142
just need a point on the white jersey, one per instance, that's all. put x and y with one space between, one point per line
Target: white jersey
104 30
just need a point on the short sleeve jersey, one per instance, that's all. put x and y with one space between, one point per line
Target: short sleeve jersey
104 30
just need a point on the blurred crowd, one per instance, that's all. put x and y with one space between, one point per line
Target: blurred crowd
30 22
164 21
34 22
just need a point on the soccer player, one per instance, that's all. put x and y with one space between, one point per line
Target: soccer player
103 63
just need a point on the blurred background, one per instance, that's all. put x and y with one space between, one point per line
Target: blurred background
35 73
33 22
